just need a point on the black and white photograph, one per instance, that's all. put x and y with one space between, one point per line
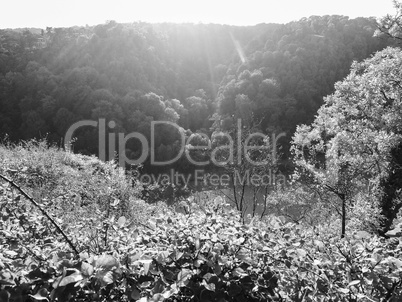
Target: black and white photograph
201 151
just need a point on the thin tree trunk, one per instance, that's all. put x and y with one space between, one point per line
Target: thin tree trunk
234 192
343 216
265 202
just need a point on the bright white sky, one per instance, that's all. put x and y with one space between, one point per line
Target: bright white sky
65 13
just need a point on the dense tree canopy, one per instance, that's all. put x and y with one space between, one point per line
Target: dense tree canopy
287 71
391 25
356 137
137 73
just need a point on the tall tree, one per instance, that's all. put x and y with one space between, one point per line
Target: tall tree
391 25
357 135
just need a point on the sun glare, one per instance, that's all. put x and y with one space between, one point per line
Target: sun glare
57 13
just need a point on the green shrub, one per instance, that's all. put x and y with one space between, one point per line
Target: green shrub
203 253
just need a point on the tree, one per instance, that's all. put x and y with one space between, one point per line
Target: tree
356 137
391 26
246 156
197 112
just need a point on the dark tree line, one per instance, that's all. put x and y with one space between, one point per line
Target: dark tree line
137 73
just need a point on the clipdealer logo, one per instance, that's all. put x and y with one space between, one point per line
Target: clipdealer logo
200 178
235 147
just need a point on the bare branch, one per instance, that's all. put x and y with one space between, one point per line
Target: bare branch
27 196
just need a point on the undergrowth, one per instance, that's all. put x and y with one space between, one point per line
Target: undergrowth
125 250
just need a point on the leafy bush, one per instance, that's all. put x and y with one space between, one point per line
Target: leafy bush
204 253
69 182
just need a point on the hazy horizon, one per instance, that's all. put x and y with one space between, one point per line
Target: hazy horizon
46 13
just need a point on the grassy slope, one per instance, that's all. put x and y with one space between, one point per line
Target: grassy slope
77 188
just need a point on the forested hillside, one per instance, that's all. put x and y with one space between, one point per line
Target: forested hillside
135 73
75 227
